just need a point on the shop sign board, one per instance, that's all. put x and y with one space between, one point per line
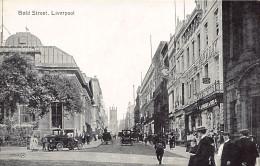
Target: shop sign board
206 80
208 104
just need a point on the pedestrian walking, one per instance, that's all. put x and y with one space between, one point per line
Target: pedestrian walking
34 143
44 141
1 143
88 138
84 138
204 155
193 149
247 149
171 142
145 138
227 153
159 147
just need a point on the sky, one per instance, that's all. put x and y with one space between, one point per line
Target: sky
109 39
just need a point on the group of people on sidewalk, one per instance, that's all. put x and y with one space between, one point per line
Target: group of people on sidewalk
203 150
242 152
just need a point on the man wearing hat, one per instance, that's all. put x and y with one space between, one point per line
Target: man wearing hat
205 152
229 153
247 149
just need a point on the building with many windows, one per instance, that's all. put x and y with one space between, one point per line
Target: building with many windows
152 81
195 83
99 117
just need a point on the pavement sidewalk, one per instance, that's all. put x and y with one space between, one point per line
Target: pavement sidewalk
178 150
12 149
92 144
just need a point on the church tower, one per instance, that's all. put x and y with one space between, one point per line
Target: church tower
113 126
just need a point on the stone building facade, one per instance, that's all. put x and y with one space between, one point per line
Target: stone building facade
160 94
98 113
151 82
51 58
195 80
129 117
146 102
241 50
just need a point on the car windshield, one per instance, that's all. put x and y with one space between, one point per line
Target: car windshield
56 132
127 133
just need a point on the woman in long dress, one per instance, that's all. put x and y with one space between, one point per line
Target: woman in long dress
31 142
34 143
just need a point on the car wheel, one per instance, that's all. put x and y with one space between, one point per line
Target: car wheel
50 148
59 146
79 146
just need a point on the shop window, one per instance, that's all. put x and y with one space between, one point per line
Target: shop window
199 119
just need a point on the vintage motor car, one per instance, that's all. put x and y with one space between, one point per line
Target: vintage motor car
135 136
62 139
126 137
107 137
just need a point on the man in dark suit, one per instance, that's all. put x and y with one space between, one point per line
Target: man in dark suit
205 152
230 152
159 142
247 149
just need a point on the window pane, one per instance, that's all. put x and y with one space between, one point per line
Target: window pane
56 115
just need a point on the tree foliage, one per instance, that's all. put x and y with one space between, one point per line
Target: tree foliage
65 89
21 83
17 77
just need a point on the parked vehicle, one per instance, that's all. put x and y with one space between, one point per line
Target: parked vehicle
62 139
135 136
126 137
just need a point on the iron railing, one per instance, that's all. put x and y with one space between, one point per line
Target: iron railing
216 87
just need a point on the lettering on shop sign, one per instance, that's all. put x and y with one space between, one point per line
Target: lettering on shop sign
209 104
